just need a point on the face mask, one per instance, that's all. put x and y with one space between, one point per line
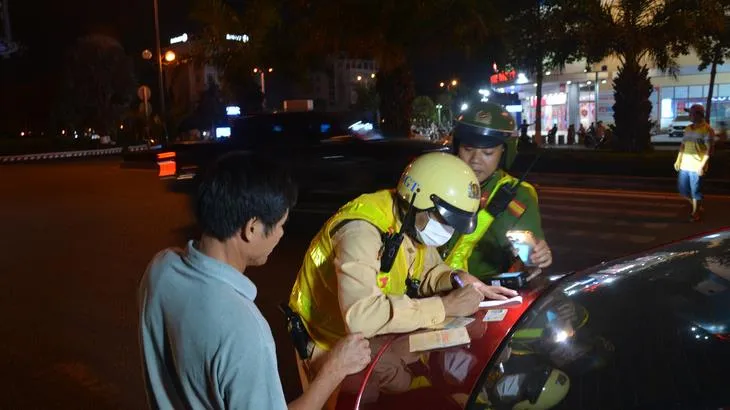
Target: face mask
435 233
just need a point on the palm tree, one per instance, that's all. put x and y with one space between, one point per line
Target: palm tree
712 39
637 32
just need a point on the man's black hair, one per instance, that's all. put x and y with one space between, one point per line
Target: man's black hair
239 187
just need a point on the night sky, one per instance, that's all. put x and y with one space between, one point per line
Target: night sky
28 80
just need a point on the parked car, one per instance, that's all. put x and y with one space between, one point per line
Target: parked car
331 164
676 129
647 331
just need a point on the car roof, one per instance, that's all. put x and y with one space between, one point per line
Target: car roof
665 284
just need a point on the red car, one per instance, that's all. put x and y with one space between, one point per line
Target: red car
648 331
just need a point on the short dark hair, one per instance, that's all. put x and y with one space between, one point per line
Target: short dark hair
239 187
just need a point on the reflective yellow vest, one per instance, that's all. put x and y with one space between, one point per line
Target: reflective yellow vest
314 296
459 256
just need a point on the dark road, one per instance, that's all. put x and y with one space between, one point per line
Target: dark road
77 238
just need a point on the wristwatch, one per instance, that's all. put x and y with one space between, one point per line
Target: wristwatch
456 281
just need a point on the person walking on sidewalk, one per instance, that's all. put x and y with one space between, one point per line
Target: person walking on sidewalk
692 159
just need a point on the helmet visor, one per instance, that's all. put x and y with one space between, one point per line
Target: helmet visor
462 221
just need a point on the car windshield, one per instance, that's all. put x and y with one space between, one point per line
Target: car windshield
643 332
292 128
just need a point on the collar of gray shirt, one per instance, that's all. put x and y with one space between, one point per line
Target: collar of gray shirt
215 269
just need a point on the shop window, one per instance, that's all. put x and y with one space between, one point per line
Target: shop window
667 92
695 91
724 90
706 91
667 111
681 92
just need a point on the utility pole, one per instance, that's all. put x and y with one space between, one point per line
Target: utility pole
163 112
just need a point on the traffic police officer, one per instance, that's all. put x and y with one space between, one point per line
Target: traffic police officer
485 139
345 285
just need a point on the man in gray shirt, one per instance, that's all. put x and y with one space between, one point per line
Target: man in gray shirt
205 344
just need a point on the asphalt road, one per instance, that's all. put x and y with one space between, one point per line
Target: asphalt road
77 237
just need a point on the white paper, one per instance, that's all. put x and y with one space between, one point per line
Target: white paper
495 303
495 315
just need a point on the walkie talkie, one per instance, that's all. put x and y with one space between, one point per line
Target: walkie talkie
392 240
507 192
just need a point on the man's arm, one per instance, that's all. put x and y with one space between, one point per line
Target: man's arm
437 274
365 308
350 355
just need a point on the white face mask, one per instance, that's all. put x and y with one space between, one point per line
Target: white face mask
435 233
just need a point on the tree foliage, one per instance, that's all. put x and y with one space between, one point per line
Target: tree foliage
395 34
637 32
424 111
98 84
712 39
539 37
235 60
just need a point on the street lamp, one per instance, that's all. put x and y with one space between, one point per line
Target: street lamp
170 56
262 79
454 83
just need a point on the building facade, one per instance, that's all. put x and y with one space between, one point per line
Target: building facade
569 97
336 85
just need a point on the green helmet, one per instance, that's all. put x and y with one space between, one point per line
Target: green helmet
487 125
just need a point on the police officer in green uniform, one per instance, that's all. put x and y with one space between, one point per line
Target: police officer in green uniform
485 138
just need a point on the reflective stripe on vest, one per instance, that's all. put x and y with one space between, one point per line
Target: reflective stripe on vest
458 257
315 293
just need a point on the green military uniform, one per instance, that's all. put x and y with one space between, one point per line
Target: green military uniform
492 254
489 126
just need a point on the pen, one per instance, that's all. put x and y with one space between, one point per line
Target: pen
456 280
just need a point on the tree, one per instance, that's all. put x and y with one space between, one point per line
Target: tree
540 37
211 109
395 34
712 40
637 32
236 59
424 111
98 86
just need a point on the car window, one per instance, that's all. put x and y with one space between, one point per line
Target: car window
682 118
288 128
651 332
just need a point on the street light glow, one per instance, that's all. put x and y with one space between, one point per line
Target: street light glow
454 83
255 70
170 56
147 55
548 72
359 78
442 84
271 70
464 107
372 75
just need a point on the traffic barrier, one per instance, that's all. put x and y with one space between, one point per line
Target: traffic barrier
70 154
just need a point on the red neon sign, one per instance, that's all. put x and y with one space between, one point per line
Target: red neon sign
503 77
